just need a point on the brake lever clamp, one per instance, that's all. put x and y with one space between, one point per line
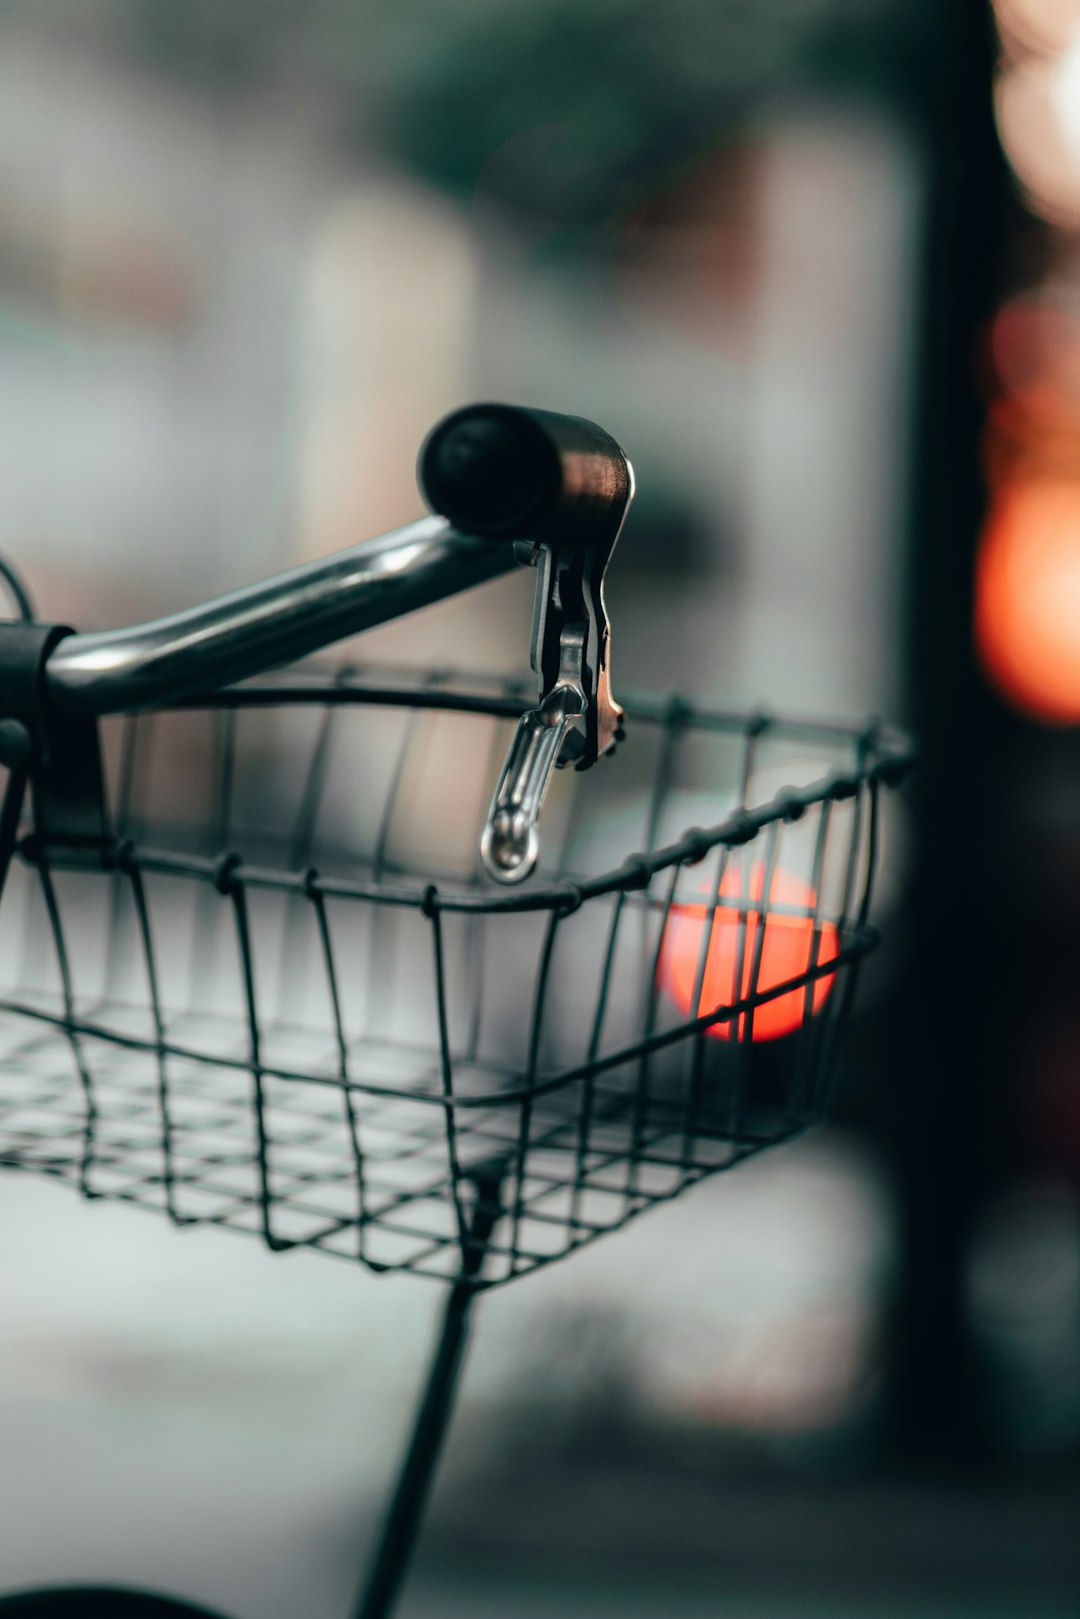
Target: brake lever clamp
559 488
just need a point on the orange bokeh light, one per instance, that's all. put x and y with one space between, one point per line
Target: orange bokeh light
787 949
1027 597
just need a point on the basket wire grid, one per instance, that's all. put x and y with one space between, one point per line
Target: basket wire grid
286 1000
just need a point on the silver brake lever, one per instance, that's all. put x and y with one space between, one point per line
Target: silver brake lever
560 487
510 845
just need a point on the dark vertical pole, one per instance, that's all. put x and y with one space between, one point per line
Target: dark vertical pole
942 1020
402 1524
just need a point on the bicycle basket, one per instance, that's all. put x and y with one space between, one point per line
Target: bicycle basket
287 1001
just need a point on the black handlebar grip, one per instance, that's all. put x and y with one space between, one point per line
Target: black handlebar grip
511 473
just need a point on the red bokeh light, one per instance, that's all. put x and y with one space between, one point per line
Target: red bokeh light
787 949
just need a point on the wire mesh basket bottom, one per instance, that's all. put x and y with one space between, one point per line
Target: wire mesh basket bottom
286 1001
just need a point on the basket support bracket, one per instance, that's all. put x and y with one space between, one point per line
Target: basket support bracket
401 1526
57 753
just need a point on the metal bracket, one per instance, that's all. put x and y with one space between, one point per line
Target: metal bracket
57 752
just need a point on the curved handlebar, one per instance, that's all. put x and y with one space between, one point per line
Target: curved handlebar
263 625
498 475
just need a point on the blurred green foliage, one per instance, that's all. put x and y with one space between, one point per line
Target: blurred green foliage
565 111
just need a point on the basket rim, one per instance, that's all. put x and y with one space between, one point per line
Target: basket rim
884 756
448 688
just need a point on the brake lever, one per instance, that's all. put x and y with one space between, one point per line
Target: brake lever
510 844
559 487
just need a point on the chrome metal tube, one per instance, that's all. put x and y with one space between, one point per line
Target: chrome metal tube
264 625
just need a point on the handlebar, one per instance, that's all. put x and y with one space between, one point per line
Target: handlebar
498 474
254 629
506 485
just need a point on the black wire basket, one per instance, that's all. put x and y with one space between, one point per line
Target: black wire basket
287 1001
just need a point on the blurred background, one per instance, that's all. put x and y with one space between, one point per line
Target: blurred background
816 265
